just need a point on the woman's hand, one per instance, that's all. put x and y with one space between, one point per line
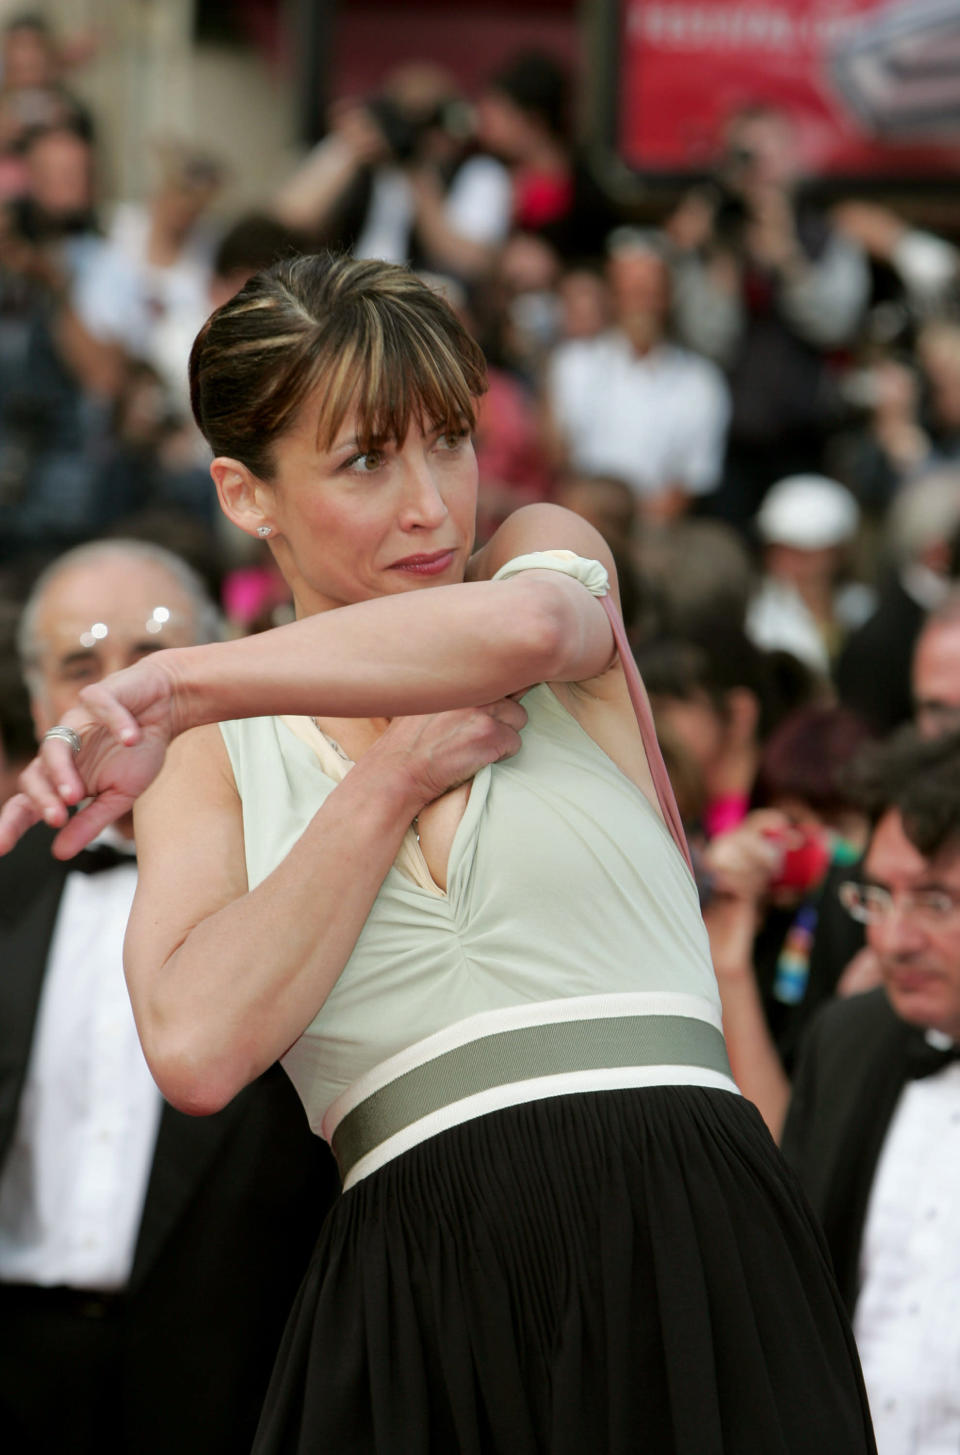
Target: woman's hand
125 724
438 751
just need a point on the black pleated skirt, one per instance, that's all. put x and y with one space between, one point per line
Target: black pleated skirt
607 1273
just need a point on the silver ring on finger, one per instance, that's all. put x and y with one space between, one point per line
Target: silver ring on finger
66 735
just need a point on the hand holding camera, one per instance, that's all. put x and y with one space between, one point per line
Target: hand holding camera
767 855
381 129
357 130
804 859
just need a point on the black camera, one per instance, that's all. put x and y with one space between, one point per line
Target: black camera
404 131
730 211
400 132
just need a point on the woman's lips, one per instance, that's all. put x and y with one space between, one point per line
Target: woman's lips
432 564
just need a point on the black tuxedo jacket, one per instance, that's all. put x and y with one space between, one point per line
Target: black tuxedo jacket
233 1207
873 671
848 1081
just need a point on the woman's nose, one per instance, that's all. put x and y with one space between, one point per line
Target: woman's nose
423 501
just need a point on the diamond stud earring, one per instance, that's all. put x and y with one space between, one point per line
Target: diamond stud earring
264 530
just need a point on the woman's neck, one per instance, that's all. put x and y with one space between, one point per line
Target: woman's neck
354 736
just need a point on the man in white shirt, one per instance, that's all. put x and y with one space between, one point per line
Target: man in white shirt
391 180
874 1124
632 404
146 287
147 1259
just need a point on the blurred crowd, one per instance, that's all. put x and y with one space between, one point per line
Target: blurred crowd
753 395
755 398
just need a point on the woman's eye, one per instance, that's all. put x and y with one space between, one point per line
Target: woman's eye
452 439
366 463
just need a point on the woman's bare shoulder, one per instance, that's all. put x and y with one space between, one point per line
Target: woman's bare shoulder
197 773
541 527
189 832
200 750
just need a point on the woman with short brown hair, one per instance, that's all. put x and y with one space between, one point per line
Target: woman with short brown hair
465 923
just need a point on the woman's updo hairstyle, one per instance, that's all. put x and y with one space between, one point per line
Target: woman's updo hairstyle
354 334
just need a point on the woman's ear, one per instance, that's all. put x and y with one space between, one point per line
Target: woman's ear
244 497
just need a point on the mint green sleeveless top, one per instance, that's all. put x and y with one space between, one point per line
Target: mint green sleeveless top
562 881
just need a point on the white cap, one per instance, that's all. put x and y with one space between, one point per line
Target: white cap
809 512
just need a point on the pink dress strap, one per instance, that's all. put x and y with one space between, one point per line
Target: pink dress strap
593 576
648 733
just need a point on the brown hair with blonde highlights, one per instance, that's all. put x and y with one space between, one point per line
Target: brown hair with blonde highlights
354 334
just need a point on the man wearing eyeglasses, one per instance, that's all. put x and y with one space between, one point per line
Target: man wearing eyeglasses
873 1127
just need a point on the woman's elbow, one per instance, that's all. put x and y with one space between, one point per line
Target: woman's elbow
564 635
191 1077
537 631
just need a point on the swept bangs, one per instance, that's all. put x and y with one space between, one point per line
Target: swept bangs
341 335
390 365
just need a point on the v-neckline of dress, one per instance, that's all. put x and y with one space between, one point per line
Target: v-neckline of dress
410 860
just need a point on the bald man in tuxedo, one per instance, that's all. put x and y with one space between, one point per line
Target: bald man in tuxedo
148 1260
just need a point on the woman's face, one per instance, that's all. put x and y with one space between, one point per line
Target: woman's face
351 524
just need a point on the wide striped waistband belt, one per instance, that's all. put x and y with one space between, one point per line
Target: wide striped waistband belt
526 1053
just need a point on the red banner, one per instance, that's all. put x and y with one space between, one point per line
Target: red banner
872 86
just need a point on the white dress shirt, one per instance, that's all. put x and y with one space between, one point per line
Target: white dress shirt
73 1185
654 420
778 619
907 1317
477 206
153 312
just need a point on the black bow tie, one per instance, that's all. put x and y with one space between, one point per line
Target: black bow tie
101 856
924 1059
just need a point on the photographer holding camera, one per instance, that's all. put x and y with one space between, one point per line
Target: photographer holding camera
394 179
769 288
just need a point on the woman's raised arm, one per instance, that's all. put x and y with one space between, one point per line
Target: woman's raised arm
412 652
408 653
223 980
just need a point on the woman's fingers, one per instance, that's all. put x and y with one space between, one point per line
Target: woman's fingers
91 820
42 789
495 729
18 814
60 766
507 711
509 744
58 778
105 706
47 786
441 750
